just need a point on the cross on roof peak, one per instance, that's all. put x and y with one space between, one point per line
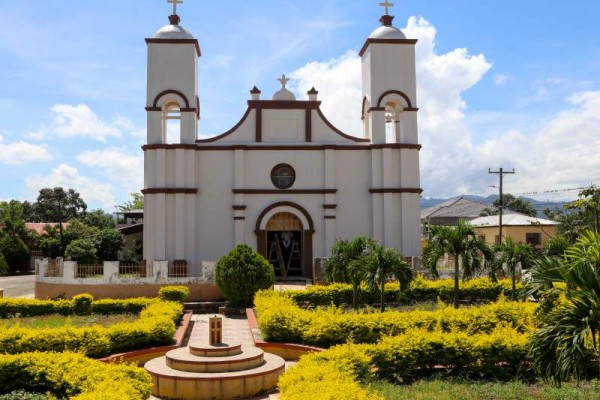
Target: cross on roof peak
283 80
387 6
175 2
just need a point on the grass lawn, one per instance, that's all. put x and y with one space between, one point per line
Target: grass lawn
57 321
514 390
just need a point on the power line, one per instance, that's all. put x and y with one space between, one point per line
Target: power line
500 174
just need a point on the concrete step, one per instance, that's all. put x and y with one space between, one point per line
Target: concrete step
216 350
172 383
182 360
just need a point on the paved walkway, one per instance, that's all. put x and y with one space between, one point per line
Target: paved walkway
18 286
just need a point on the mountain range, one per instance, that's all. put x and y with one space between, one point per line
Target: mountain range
539 206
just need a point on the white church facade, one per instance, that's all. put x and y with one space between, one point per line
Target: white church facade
284 180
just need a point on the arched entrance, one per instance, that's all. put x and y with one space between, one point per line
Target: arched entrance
284 244
284 237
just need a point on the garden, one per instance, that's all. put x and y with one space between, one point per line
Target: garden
49 348
444 338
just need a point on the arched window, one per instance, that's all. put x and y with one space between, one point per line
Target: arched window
393 114
171 123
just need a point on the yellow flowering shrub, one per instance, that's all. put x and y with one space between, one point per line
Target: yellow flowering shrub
73 376
345 371
281 320
156 326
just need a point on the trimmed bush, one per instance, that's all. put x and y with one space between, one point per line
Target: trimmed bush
174 293
155 327
73 376
12 307
281 320
497 354
241 273
420 290
82 304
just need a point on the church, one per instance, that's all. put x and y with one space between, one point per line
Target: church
283 180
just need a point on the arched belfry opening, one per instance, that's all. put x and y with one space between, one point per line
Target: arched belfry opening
284 233
171 123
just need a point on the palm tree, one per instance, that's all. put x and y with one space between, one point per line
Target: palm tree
511 254
382 262
461 241
347 263
570 334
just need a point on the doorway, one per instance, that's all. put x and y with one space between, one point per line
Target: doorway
284 244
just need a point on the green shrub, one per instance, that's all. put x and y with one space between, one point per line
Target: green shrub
352 367
82 251
174 293
420 290
23 395
281 320
155 327
11 307
241 273
82 304
3 265
15 251
73 376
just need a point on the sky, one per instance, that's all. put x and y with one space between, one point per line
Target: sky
511 84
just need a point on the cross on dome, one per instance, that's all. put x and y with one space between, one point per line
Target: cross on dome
387 5
175 2
283 80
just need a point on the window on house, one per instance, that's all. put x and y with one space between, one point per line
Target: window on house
533 238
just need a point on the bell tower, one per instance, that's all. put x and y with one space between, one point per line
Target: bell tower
389 84
172 89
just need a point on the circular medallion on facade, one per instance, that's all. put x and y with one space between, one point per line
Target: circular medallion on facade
283 176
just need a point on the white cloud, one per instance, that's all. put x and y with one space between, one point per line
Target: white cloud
22 152
339 84
501 79
69 177
124 169
80 120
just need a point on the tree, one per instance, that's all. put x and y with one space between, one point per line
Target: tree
3 265
83 251
588 207
517 204
570 334
470 252
58 205
98 218
383 262
347 263
511 254
11 217
241 273
108 242
136 203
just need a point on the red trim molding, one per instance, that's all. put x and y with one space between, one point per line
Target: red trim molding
385 41
239 218
177 41
284 191
396 190
399 93
239 207
170 191
336 130
171 91
329 217
330 206
229 132
306 147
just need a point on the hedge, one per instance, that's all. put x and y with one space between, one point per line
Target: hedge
11 307
73 376
281 320
156 326
352 366
420 290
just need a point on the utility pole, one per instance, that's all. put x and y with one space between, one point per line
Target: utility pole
500 174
